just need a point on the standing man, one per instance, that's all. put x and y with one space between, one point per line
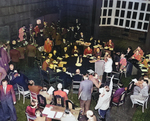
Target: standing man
31 53
7 98
107 67
85 91
104 100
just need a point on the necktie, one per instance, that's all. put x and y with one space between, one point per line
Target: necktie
5 90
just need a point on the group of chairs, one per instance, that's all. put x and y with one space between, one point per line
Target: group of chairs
116 80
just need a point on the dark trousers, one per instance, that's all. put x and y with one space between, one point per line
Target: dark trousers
31 61
105 74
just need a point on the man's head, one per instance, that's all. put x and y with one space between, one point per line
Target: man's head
85 76
78 71
44 88
31 83
59 86
37 113
107 88
122 55
4 83
110 41
89 114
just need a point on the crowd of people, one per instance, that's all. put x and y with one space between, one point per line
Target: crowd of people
50 43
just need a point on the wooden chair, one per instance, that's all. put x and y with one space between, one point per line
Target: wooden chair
70 104
58 100
24 93
41 101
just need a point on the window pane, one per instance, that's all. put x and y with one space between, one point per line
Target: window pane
141 16
118 4
108 20
105 3
147 17
139 25
124 4
134 15
143 6
109 12
136 6
117 13
128 14
127 23
130 5
121 22
148 7
145 26
133 24
122 13
104 12
104 21
110 3
116 21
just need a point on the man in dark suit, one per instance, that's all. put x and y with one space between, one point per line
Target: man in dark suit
7 98
77 76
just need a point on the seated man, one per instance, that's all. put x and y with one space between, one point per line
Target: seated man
61 93
140 91
31 108
140 50
65 77
17 78
109 44
104 99
77 76
34 88
39 116
87 51
44 93
2 74
45 64
137 56
122 63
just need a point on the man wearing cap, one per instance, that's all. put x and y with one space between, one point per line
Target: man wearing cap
7 98
60 92
85 91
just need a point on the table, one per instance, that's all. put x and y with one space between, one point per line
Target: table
59 109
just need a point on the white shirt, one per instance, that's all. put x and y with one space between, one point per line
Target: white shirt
103 102
108 66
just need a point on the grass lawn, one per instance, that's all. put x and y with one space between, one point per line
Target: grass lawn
138 115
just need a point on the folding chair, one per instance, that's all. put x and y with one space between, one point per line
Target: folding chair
75 86
24 93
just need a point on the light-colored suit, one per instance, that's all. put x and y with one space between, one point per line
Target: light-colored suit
142 95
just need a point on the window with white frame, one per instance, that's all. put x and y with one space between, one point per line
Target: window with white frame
131 14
